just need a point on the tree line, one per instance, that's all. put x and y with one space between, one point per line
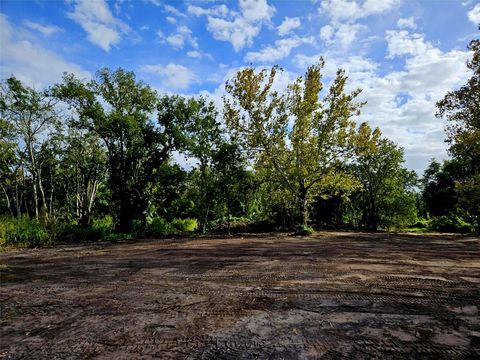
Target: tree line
80 152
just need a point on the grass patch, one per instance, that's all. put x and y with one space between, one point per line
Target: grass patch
446 224
161 227
23 232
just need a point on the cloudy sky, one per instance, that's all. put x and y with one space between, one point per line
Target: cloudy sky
404 54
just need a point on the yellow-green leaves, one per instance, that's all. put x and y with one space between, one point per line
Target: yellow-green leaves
302 137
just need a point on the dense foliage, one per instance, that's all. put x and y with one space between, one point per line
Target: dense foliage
100 159
462 109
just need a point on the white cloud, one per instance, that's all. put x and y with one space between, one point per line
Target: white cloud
238 28
288 25
402 102
343 29
174 11
238 32
340 35
340 10
173 76
405 23
346 34
31 63
282 49
95 17
347 10
182 35
171 20
194 54
474 14
326 32
176 40
256 10
404 43
154 2
371 7
46 30
220 10
427 76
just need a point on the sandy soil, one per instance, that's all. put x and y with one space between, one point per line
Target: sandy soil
329 296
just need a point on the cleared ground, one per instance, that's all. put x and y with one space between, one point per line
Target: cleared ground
332 295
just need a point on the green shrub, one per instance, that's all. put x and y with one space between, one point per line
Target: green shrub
180 226
104 224
159 227
421 224
23 232
450 224
102 228
303 230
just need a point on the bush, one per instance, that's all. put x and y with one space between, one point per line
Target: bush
104 227
23 232
180 226
105 224
100 229
303 230
421 224
450 224
26 232
161 227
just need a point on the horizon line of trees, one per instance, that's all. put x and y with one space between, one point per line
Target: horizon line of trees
81 150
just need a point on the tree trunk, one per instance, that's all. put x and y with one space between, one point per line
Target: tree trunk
18 201
303 204
126 222
34 173
42 193
203 196
228 217
372 215
35 196
8 200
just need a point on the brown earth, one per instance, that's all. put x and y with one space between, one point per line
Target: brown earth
332 295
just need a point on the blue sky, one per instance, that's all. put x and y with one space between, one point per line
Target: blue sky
404 54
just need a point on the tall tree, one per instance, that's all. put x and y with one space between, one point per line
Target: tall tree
233 182
8 166
31 113
386 197
83 168
462 109
118 109
438 187
307 156
203 137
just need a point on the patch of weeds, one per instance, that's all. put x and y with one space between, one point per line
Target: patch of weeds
161 227
303 230
23 232
452 224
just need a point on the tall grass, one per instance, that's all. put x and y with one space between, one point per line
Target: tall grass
24 232
161 227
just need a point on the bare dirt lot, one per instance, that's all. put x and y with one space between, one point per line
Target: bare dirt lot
332 295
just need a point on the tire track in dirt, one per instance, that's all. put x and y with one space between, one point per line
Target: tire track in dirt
331 296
